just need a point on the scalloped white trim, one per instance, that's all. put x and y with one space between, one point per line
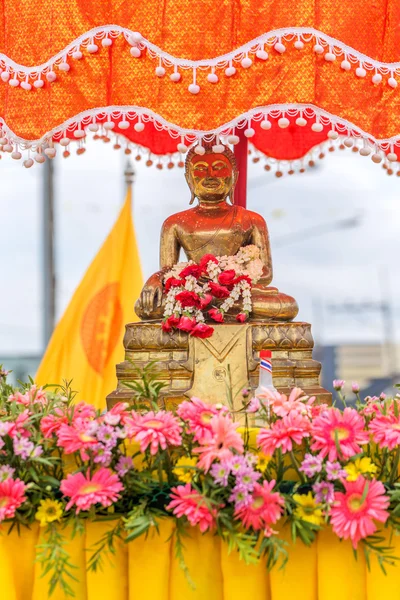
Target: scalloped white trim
93 119
18 74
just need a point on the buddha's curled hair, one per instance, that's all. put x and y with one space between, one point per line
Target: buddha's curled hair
208 150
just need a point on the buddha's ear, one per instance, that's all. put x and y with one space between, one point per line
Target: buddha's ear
234 182
190 184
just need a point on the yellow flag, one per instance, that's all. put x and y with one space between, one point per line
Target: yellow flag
87 342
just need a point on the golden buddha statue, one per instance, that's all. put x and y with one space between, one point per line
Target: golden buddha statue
187 365
216 227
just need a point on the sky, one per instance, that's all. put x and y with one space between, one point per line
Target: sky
316 259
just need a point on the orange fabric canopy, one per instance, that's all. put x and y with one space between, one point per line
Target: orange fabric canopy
236 63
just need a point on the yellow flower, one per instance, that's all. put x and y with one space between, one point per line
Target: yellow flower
49 511
307 509
182 472
262 461
361 466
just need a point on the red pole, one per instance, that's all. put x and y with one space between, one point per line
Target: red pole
241 152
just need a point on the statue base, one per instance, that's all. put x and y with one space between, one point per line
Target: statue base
216 369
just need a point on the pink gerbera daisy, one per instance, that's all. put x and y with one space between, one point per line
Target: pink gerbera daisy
84 492
283 433
37 395
224 440
50 424
265 509
386 430
337 434
19 426
191 504
198 414
82 411
11 497
283 405
19 398
76 437
154 429
354 512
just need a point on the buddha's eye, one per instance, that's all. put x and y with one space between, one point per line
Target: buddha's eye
200 169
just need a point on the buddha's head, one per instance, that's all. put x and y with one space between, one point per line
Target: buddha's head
211 176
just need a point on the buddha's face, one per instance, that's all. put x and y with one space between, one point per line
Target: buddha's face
210 176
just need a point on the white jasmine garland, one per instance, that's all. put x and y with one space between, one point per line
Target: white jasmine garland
246 262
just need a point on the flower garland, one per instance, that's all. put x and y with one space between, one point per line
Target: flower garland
311 464
192 288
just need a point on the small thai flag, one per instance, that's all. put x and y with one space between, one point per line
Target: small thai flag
266 365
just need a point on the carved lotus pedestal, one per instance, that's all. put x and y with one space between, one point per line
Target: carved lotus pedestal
229 359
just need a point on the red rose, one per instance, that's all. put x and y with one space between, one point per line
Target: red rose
205 300
188 299
242 278
193 270
201 330
206 259
227 277
170 323
172 282
219 291
186 323
241 317
165 326
216 315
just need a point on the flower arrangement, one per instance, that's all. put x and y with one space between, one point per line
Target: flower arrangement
209 290
309 466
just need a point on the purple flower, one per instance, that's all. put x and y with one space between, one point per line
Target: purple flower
338 384
324 492
103 455
124 465
246 392
23 447
111 419
4 373
311 465
37 451
247 477
107 435
382 396
334 471
253 406
236 463
121 432
220 473
355 387
6 472
5 427
241 496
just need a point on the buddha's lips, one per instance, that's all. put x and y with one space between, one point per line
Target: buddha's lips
211 184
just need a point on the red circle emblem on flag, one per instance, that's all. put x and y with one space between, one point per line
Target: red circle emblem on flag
101 326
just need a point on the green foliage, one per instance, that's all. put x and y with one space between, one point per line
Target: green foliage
55 560
146 389
105 547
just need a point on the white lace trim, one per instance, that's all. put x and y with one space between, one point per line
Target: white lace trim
18 74
104 119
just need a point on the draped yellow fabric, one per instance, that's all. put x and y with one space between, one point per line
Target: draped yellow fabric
87 342
147 569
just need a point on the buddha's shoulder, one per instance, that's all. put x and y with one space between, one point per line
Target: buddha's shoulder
251 217
178 218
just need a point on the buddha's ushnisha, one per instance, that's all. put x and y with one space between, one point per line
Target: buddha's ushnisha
215 226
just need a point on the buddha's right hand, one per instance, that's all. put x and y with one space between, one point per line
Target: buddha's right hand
151 296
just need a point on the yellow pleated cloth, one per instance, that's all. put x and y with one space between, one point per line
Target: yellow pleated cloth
148 569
